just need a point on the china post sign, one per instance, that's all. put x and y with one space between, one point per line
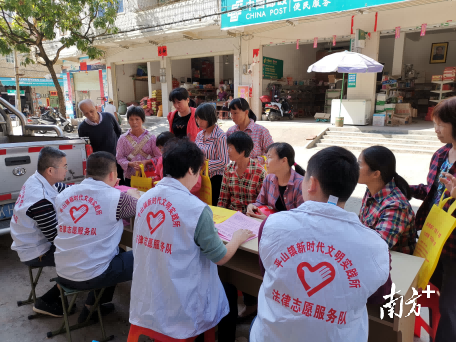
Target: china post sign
250 12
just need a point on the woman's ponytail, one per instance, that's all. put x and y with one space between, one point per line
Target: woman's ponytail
402 184
252 115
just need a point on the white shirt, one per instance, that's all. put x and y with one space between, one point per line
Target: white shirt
176 290
88 230
110 108
321 266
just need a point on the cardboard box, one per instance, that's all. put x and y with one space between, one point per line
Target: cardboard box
322 116
379 119
381 97
436 78
390 106
403 108
379 108
332 78
380 103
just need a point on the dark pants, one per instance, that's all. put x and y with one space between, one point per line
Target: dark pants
444 278
216 184
250 300
120 269
227 326
46 260
120 175
126 182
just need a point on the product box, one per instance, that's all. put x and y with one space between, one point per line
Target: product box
379 119
380 103
403 109
379 109
390 106
381 97
436 78
403 120
446 87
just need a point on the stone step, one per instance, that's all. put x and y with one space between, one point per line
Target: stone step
395 148
382 130
379 141
354 135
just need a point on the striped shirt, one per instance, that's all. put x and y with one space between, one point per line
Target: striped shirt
215 150
260 136
270 191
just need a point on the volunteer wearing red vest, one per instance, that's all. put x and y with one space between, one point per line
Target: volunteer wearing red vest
182 121
34 223
176 290
385 205
90 227
443 161
320 263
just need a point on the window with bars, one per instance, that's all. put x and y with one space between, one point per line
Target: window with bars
10 58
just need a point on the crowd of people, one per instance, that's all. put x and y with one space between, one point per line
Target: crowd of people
176 289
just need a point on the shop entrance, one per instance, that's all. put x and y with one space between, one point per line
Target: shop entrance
285 75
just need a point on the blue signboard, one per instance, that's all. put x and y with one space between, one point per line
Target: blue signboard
250 12
32 82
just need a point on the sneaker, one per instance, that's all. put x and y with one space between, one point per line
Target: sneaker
105 310
53 309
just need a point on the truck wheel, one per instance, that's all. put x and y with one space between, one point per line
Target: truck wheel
68 128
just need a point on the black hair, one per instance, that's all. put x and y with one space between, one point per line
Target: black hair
163 138
242 104
380 158
178 94
207 112
49 157
181 155
283 150
337 171
136 111
100 164
446 111
242 142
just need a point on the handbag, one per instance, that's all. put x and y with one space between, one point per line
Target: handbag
436 230
142 183
205 193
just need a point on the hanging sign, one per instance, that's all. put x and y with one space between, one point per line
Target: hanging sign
315 42
83 66
272 68
256 52
398 32
334 40
243 91
423 30
162 51
351 27
297 44
351 81
238 13
13 92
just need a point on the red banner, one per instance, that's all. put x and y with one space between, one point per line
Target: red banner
353 18
70 91
100 78
423 30
256 53
376 17
297 44
398 32
162 51
315 42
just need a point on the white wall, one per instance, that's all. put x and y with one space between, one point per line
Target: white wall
385 54
124 82
228 69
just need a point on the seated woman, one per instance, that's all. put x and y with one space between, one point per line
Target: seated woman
244 119
212 141
282 186
137 146
162 139
385 205
176 290
243 178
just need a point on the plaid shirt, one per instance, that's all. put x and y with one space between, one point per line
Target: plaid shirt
238 192
270 191
215 150
260 136
391 215
425 192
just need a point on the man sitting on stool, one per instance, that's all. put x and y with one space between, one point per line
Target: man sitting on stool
34 224
90 227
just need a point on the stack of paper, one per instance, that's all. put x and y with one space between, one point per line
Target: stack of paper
238 221
221 214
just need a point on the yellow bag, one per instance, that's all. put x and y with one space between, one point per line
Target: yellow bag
265 166
205 193
142 183
436 230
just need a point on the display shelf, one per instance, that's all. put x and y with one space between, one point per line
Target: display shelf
442 91
436 101
443 82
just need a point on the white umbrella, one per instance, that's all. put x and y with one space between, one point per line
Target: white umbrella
346 62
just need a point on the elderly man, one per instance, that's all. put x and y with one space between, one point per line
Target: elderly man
101 128
34 222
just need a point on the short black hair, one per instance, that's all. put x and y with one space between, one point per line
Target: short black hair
207 112
181 155
242 104
178 94
446 111
242 142
100 164
163 138
136 111
337 171
49 157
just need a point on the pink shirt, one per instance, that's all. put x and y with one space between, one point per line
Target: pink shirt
124 148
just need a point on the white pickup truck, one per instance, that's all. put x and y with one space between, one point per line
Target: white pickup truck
19 149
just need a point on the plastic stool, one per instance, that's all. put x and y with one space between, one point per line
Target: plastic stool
135 332
434 313
64 292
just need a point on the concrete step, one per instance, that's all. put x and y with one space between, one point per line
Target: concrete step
379 141
395 148
383 130
355 135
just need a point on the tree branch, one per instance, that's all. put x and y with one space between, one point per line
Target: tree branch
57 54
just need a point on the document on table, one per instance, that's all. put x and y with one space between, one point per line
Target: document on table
221 214
238 221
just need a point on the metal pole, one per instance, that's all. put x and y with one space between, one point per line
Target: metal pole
18 91
341 93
